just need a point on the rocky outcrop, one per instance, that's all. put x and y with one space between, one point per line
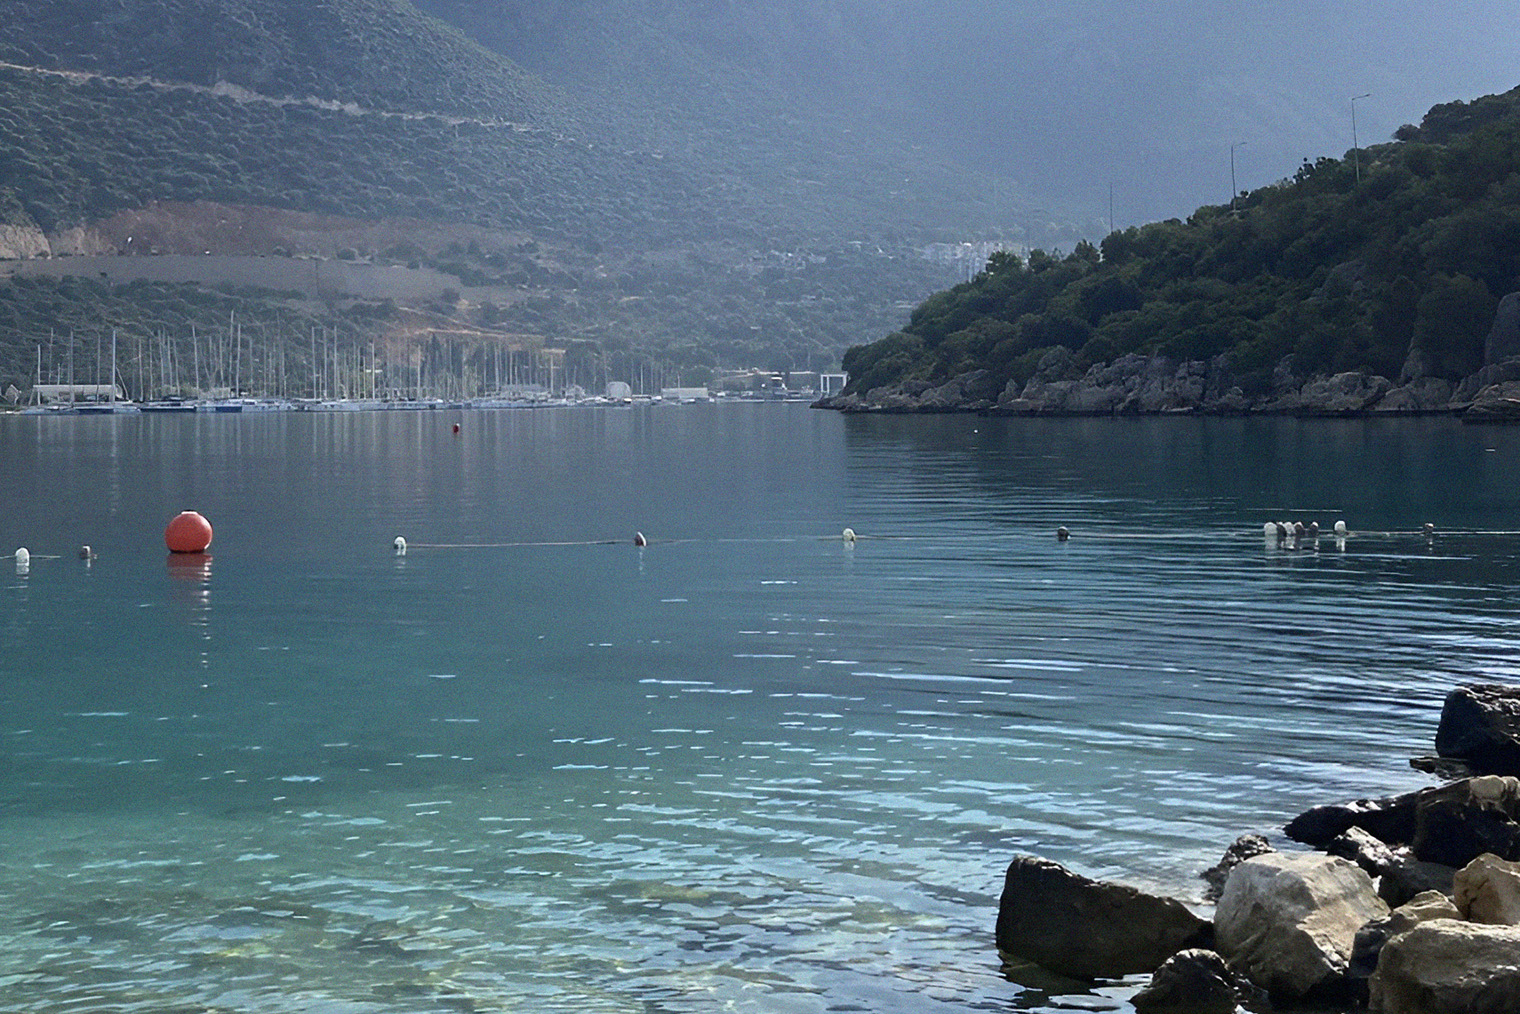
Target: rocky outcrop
1341 395
1497 403
1288 923
1487 890
1193 981
1480 724
1504 337
1422 396
1503 372
1450 824
20 241
1448 967
1247 846
1088 929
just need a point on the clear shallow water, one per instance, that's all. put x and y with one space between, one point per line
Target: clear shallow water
748 767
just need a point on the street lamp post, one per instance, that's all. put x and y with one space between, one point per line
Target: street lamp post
1356 154
1233 189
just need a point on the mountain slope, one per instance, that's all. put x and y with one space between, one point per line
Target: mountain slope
1391 263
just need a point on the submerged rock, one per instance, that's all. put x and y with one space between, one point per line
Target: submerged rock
1288 923
1089 929
1194 981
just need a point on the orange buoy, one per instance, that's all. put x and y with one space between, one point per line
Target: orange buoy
187 532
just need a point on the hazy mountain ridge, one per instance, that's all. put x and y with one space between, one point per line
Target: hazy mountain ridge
1389 263
381 53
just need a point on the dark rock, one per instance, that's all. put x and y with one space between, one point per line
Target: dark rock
1193 981
1342 394
1480 724
1504 337
1497 403
1448 824
1361 848
1088 929
1390 820
1459 822
1417 396
1247 846
1448 769
1407 878
1495 373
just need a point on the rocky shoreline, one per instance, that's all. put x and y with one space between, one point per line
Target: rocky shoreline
1155 385
1410 905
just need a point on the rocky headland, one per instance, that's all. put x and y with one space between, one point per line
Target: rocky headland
1156 385
1406 904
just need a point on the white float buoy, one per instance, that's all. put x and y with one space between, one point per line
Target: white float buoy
23 559
1269 529
1429 529
86 553
1340 529
1313 530
639 540
848 535
1062 534
400 545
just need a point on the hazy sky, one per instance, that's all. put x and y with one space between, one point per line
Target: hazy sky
1072 96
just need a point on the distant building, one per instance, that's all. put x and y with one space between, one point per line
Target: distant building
49 394
685 395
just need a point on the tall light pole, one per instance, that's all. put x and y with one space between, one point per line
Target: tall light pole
1356 154
1233 190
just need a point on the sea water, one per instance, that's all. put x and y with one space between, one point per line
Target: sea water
750 766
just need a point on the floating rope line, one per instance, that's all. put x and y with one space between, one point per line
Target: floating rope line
1061 534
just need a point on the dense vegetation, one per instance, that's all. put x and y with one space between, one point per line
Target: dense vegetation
636 229
1394 255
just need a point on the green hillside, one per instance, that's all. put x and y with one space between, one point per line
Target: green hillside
1396 255
773 251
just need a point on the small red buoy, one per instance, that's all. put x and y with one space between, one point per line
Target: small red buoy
187 532
456 427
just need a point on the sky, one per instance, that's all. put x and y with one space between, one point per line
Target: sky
1072 97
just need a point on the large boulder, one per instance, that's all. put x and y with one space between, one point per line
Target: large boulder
1088 929
1456 823
1288 923
1407 877
1480 724
1497 403
1194 981
1371 938
1487 890
1504 337
1422 396
1449 967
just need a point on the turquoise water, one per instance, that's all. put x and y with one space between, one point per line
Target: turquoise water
748 767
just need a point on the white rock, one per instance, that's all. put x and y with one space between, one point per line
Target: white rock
1288 922
1487 890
